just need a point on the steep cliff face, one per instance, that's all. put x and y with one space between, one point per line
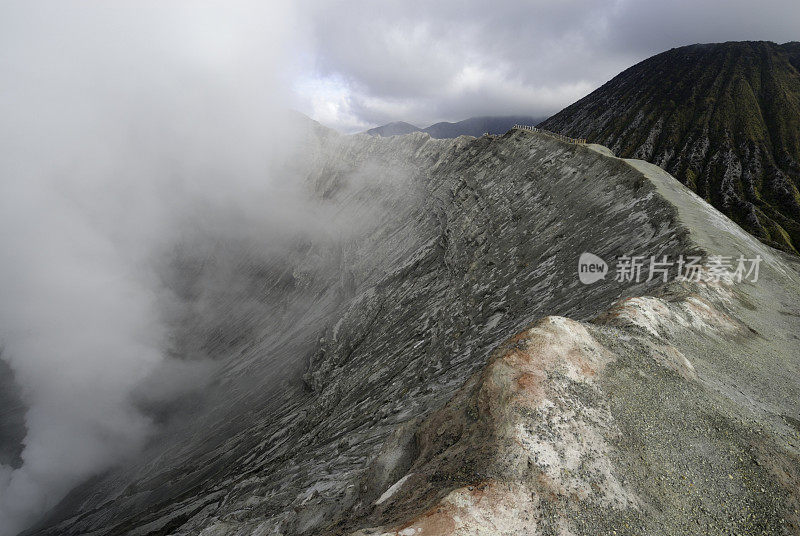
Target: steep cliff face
407 409
724 119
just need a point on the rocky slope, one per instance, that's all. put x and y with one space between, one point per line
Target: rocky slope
724 119
447 373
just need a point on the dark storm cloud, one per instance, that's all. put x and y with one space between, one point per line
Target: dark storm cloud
648 27
423 61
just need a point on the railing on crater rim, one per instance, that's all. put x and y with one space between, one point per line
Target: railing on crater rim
577 141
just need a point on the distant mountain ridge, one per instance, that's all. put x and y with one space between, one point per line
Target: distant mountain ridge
723 118
397 128
474 126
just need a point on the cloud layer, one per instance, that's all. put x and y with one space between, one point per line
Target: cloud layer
422 62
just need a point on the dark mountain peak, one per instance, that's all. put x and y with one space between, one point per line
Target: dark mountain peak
723 118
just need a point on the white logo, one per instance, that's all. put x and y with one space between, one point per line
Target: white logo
591 268
635 269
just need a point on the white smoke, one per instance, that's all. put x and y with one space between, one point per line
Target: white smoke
126 125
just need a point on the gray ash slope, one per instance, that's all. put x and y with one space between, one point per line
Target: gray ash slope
723 118
642 408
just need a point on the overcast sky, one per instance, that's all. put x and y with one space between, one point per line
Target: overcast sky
370 62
